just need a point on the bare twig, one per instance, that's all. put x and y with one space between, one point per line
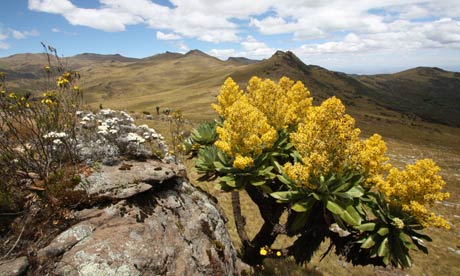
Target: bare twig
15 244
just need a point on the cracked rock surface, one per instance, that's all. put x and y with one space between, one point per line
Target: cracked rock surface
171 228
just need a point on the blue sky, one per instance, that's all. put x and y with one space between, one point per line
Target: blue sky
371 36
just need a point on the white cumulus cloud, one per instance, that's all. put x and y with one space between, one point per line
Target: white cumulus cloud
182 47
23 34
223 53
170 36
251 48
311 27
8 33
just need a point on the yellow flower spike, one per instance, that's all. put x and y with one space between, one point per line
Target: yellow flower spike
291 100
229 93
326 140
248 137
415 188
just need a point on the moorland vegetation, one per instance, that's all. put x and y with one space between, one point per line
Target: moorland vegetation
293 157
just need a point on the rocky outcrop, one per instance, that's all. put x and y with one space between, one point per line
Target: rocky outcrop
156 224
146 218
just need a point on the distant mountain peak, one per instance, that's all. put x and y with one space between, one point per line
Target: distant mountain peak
288 58
196 52
288 55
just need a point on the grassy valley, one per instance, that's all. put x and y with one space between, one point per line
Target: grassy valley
417 111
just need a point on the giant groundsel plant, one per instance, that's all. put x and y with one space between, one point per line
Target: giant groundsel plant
310 162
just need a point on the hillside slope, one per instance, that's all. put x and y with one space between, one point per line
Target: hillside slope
430 93
191 81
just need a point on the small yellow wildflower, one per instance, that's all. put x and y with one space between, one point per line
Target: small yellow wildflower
76 88
12 96
62 82
279 253
263 251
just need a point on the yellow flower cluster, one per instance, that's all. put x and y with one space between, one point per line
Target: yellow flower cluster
284 104
66 78
252 118
229 93
49 98
326 140
242 162
62 82
414 188
245 132
300 173
369 158
15 101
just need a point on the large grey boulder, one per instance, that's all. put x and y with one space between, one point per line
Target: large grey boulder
171 228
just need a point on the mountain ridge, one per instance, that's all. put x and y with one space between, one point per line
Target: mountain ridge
429 93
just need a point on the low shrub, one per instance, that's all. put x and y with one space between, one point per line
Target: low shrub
38 132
